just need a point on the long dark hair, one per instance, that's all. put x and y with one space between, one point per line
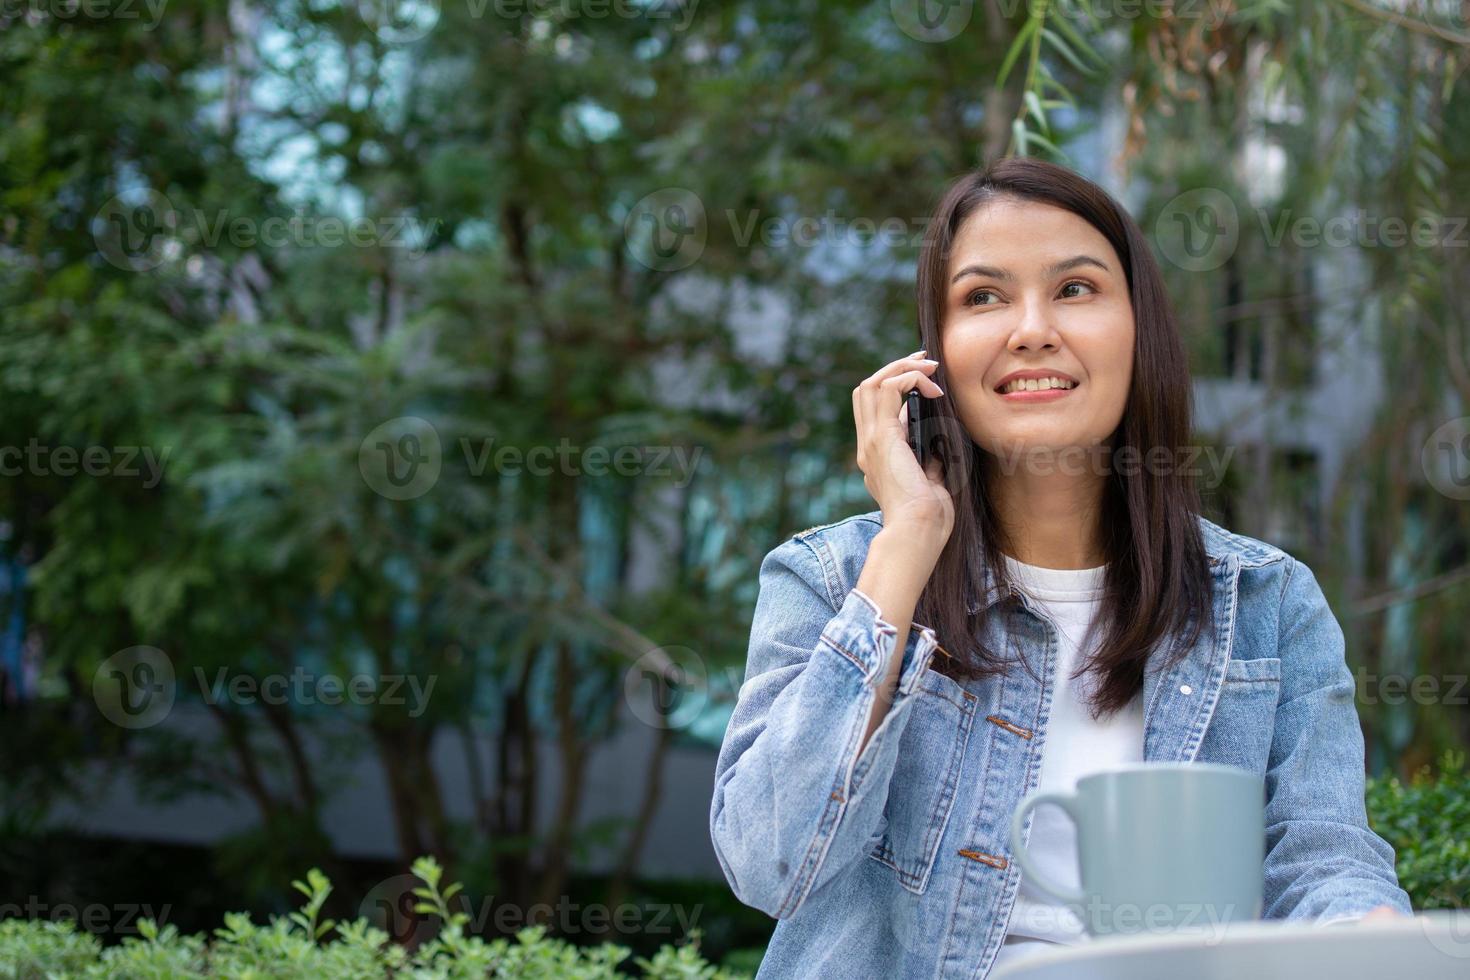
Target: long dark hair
1157 584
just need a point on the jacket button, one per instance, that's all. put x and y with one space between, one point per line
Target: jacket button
1185 689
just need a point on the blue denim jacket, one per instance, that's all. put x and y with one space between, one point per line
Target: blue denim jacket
896 863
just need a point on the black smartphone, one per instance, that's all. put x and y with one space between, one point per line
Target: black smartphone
917 442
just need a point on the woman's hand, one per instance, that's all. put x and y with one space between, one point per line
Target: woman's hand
909 496
1383 912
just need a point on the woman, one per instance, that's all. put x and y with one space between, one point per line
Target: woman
868 776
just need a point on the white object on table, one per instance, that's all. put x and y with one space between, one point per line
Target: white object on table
1430 946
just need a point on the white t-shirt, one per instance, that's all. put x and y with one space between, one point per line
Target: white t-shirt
1074 746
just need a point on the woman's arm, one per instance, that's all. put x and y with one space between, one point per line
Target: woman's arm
1323 861
803 772
899 563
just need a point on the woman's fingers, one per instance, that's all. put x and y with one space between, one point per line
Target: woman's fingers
891 474
901 383
873 398
927 365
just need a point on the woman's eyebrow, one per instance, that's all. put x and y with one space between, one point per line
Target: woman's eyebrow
992 272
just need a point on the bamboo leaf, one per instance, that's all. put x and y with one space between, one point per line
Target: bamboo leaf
1045 144
1049 83
1065 27
1089 14
1017 46
1078 42
1018 136
1054 40
1033 106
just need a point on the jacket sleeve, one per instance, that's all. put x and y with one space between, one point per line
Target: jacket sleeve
794 805
1323 862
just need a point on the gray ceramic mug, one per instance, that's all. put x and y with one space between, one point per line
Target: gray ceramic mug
1161 847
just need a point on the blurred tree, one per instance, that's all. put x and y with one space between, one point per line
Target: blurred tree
582 231
146 306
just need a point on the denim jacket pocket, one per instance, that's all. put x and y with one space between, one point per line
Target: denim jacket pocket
1265 670
1244 722
925 778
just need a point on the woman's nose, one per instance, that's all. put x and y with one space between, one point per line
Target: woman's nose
1035 327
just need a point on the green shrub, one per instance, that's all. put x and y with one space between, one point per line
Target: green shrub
1425 821
1428 823
302 946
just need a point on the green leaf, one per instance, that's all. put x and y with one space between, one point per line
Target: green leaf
1018 136
1061 47
1086 51
1087 12
1046 144
1033 106
1017 46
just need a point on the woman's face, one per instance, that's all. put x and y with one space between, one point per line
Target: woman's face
1035 288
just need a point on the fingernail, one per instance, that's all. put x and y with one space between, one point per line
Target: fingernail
929 360
921 350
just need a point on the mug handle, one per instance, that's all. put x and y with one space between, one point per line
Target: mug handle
1067 802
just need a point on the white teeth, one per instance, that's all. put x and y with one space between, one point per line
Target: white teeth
1038 384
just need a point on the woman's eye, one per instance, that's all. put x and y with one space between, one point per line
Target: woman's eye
974 298
1077 282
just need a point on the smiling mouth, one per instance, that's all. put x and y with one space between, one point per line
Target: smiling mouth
1036 384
